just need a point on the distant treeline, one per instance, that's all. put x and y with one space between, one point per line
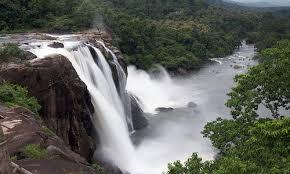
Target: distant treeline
180 35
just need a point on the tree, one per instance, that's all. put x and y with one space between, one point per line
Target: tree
266 84
248 144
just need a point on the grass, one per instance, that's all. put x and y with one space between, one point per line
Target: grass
14 158
14 95
34 151
10 52
47 130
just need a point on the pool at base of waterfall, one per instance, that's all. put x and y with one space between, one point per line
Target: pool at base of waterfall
174 134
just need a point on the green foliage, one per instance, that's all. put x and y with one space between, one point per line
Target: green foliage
47 130
262 147
52 15
14 95
275 28
14 158
11 53
176 34
34 151
175 44
98 168
267 84
193 165
248 144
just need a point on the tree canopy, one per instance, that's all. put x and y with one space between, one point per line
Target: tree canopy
249 144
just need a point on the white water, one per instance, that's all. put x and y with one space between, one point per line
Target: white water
153 91
109 116
170 136
122 85
176 134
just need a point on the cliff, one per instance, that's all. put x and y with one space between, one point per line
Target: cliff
65 100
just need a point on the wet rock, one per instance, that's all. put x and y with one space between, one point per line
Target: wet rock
237 67
56 45
64 98
138 118
29 56
192 105
22 127
182 71
164 109
44 37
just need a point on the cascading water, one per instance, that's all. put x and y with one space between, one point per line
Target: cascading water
154 90
109 117
126 100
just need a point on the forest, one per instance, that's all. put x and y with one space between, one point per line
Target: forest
182 36
179 35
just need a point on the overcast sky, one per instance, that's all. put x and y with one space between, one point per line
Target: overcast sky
280 2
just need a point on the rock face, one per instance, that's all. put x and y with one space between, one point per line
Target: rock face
21 128
139 121
164 109
5 167
64 99
56 45
66 108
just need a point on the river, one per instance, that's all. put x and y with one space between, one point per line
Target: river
176 134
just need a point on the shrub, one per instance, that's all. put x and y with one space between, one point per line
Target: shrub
10 52
15 95
47 130
34 151
98 168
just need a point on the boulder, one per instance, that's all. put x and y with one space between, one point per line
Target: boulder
56 45
238 66
29 56
65 101
164 109
22 127
138 118
192 105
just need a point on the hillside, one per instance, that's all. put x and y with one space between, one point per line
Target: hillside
180 35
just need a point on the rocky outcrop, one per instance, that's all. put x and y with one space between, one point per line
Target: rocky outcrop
164 109
56 45
138 118
63 96
21 128
66 108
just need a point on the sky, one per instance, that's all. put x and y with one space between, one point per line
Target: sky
276 2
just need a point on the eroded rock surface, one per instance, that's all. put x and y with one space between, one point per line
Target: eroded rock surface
63 96
22 127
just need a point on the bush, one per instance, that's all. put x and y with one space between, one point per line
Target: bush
47 130
15 95
98 168
34 151
10 52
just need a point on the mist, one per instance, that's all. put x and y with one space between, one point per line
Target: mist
275 3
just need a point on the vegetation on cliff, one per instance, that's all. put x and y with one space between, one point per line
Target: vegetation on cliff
34 151
11 53
14 95
249 144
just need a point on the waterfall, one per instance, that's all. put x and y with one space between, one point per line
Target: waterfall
126 100
109 117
